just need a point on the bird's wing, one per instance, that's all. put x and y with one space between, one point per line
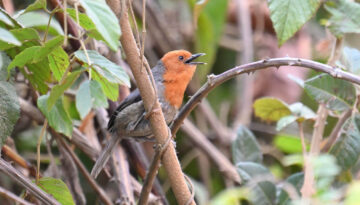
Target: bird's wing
130 99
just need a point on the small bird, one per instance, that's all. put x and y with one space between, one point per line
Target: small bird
172 74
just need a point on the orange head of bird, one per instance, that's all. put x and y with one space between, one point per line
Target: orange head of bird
179 69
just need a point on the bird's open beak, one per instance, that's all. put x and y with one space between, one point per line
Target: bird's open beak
193 57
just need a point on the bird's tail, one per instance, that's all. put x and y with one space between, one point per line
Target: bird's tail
104 156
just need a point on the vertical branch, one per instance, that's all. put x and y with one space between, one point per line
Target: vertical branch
157 121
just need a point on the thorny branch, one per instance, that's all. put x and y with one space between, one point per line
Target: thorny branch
216 80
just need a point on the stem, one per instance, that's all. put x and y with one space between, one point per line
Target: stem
38 145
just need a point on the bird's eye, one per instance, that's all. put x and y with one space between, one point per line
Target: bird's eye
181 58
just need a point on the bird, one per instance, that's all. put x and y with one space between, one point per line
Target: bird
172 74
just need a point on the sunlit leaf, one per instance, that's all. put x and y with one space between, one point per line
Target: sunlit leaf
57 116
264 191
89 96
230 196
5 19
270 109
288 143
7 37
353 193
40 21
49 46
38 76
59 89
288 16
26 56
105 21
337 94
344 18
111 90
245 147
56 188
346 149
104 67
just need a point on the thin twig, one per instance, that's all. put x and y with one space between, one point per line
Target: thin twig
319 127
18 159
137 35
216 80
38 145
335 132
9 195
102 195
222 162
14 174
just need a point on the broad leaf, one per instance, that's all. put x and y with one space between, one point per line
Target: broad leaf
346 149
40 21
302 112
25 34
49 46
288 16
345 17
9 104
297 180
107 69
337 94
111 90
38 4
245 147
105 21
263 192
4 62
38 76
59 89
58 189
350 59
288 143
58 62
89 96
7 37
5 19
26 56
285 121
57 116
270 109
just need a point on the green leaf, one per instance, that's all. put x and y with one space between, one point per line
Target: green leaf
84 20
40 20
49 46
58 62
302 112
353 193
288 16
56 188
337 94
288 144
107 69
346 148
59 89
230 196
245 147
57 116
89 96
297 180
38 4
344 18
210 26
38 76
111 90
263 192
270 109
105 21
36 54
9 110
25 34
4 62
5 19
7 37
351 59
26 56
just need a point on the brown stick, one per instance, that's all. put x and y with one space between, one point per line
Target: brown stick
6 168
104 198
157 121
216 80
9 195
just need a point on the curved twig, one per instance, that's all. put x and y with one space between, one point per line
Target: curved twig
216 80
